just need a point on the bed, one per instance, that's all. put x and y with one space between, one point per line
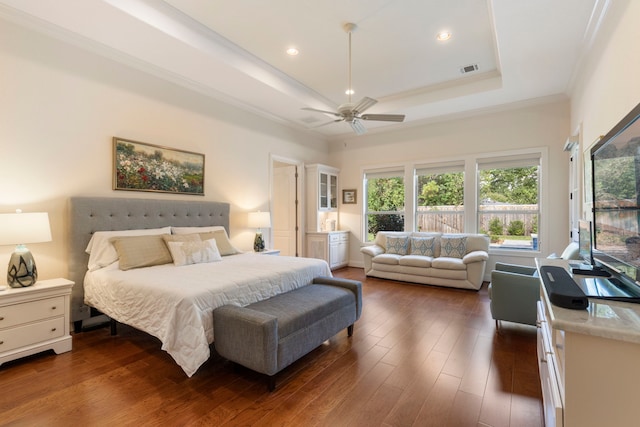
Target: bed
172 303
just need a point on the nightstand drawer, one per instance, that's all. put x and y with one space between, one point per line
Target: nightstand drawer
31 311
32 333
334 238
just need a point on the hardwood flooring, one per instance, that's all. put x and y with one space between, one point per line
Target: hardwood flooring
420 356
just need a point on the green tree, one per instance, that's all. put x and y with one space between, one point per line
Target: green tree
510 185
385 195
441 189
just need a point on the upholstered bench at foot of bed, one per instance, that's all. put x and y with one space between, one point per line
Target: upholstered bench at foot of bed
269 335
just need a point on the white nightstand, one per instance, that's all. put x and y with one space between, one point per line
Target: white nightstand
269 252
35 319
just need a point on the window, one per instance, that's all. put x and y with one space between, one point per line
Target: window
509 200
384 202
440 198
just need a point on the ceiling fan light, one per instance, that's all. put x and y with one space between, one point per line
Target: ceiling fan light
443 36
349 92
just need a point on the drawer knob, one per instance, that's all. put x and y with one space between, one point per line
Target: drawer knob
1 318
1 342
53 329
54 307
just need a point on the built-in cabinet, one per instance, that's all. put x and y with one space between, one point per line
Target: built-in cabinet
322 197
588 361
331 246
323 238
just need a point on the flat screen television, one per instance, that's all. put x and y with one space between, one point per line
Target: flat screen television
615 162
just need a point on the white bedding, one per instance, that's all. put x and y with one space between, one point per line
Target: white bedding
175 304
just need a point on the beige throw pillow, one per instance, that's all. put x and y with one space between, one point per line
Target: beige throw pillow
141 251
222 241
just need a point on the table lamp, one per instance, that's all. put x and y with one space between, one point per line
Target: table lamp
259 220
18 229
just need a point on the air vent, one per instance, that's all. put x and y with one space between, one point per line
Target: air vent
469 68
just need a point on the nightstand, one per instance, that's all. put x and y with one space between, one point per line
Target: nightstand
269 252
35 319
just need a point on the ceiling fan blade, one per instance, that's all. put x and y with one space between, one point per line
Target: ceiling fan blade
358 127
364 104
328 123
333 113
383 117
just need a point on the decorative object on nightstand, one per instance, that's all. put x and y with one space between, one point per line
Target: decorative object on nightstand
18 229
269 252
259 220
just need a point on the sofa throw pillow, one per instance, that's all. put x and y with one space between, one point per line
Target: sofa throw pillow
453 246
194 252
397 245
425 246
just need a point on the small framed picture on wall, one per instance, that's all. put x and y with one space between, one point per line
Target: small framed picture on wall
349 197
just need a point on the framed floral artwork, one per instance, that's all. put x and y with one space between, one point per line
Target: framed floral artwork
138 166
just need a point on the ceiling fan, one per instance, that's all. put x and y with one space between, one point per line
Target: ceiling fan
350 112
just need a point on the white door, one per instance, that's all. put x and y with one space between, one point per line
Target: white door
284 210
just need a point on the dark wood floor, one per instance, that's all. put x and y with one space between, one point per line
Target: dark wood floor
420 355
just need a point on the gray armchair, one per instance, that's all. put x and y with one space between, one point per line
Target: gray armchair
514 291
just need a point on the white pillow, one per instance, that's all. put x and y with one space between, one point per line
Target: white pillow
102 252
194 252
190 230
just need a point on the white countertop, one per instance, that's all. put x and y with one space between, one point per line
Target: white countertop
607 319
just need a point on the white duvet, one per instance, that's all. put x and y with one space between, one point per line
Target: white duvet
175 304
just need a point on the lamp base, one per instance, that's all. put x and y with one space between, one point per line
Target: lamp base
258 243
22 270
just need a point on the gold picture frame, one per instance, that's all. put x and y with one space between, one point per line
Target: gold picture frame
349 197
138 166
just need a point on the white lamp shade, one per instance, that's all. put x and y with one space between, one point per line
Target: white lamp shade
259 219
23 228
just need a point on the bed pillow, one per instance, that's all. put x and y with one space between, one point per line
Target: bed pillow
102 252
194 252
192 230
397 245
425 246
141 251
222 241
180 238
453 246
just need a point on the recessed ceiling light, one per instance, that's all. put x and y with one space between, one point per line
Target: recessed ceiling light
443 36
292 51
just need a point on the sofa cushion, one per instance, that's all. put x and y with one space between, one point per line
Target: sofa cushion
448 263
425 246
397 245
416 261
391 259
453 246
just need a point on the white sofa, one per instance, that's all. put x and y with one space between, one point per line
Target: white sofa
453 260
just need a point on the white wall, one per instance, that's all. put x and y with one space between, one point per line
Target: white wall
60 107
608 86
543 125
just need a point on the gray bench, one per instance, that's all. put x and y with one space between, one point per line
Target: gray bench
269 335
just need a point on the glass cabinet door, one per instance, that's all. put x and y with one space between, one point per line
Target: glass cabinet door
324 191
333 191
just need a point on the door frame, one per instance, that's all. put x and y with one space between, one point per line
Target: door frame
300 211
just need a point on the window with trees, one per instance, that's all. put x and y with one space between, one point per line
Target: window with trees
385 192
509 201
440 198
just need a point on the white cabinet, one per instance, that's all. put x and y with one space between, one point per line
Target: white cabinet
35 319
322 197
588 361
332 247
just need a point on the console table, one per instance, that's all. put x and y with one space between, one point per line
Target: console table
589 361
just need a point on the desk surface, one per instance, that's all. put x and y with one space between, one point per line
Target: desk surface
607 319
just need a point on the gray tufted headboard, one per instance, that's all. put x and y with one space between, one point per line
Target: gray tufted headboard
90 214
